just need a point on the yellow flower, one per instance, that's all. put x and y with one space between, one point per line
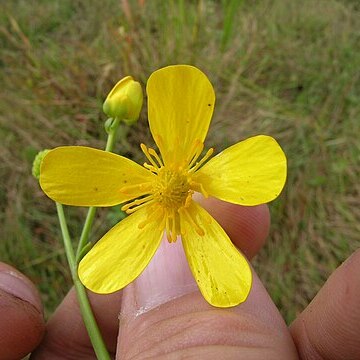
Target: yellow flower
159 194
124 100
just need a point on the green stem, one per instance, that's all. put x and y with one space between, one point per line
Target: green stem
85 232
112 135
66 237
85 307
84 238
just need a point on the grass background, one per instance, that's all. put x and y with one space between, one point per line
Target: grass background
284 68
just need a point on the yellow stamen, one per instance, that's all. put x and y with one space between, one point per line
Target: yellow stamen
170 226
173 228
155 214
168 232
148 156
192 221
188 198
199 188
143 187
151 168
195 152
138 204
202 161
156 156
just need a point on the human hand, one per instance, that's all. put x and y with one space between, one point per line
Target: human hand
163 315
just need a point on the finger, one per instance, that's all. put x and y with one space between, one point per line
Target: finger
21 319
163 313
66 336
329 327
185 326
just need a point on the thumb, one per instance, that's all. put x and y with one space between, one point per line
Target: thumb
164 313
168 275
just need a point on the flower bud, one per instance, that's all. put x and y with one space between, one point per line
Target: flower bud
124 100
37 163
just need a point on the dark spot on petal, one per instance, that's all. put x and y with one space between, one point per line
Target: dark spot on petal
96 189
209 104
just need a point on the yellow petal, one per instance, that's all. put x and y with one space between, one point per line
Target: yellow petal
82 176
181 100
122 254
221 271
249 173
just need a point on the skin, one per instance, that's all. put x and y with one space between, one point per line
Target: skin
185 326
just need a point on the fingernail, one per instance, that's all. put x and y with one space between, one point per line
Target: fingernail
167 277
15 284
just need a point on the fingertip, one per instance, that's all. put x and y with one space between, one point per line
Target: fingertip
15 283
66 333
22 324
247 226
329 326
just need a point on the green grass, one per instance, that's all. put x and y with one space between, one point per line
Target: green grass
284 68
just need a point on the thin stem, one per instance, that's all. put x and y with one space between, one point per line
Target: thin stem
112 135
85 307
85 232
66 237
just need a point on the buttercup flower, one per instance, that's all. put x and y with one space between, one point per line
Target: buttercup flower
158 195
124 100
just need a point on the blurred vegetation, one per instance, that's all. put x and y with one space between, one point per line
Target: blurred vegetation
280 67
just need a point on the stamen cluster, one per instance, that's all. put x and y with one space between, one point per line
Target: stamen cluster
172 190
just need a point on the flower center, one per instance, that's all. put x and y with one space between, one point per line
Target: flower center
172 189
170 193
